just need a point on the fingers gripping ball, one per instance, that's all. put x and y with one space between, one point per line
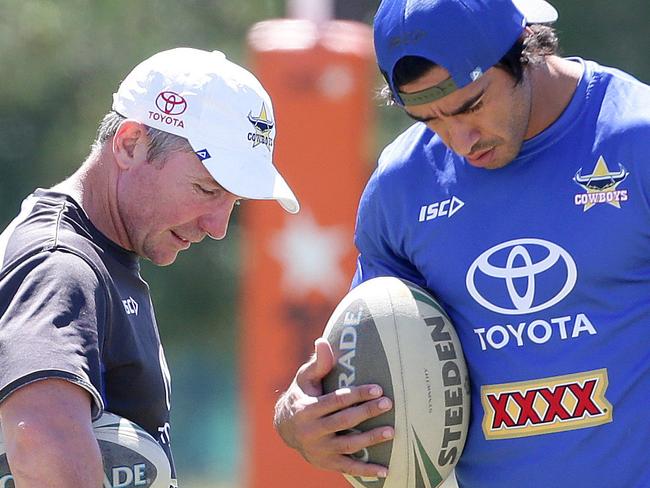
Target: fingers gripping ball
131 457
391 332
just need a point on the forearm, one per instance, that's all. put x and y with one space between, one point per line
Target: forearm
55 460
49 438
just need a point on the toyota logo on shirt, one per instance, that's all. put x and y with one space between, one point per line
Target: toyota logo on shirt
171 103
521 276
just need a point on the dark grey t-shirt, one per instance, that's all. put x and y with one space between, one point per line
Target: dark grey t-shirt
73 306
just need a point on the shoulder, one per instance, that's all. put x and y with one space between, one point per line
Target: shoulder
618 114
624 100
406 150
49 222
48 249
49 274
403 161
618 79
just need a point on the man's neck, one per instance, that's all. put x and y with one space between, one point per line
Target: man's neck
553 84
94 187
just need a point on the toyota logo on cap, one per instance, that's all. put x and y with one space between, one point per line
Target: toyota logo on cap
534 274
171 103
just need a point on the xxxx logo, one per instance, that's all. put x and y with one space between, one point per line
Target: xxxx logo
546 405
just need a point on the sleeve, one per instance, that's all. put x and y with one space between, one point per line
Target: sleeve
53 309
375 237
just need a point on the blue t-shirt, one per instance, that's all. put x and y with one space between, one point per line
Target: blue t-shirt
544 267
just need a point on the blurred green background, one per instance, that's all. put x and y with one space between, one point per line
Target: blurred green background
61 61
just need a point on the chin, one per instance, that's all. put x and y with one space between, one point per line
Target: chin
498 164
159 252
163 259
165 262
503 160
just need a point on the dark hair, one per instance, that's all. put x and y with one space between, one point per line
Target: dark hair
529 49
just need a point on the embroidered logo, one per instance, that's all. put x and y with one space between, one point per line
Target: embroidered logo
203 154
408 38
171 103
546 405
601 186
170 107
263 126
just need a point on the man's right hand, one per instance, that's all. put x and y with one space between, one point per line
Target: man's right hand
312 422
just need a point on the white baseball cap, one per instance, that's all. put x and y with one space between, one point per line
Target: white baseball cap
220 108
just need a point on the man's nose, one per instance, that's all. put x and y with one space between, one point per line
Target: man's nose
462 137
215 222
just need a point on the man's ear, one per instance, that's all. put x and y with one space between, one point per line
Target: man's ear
130 144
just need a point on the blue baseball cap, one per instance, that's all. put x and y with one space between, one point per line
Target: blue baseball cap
466 37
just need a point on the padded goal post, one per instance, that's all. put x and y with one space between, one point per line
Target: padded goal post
297 267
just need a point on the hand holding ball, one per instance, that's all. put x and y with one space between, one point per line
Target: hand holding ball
391 332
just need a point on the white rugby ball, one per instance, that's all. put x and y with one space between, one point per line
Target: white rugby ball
132 457
391 332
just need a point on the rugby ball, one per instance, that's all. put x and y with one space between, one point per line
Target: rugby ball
391 332
131 456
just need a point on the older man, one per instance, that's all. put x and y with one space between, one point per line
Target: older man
189 135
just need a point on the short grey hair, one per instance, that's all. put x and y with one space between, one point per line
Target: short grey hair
160 143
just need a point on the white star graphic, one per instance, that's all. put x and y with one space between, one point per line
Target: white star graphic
310 255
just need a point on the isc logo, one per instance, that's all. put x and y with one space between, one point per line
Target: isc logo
546 405
130 306
446 208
